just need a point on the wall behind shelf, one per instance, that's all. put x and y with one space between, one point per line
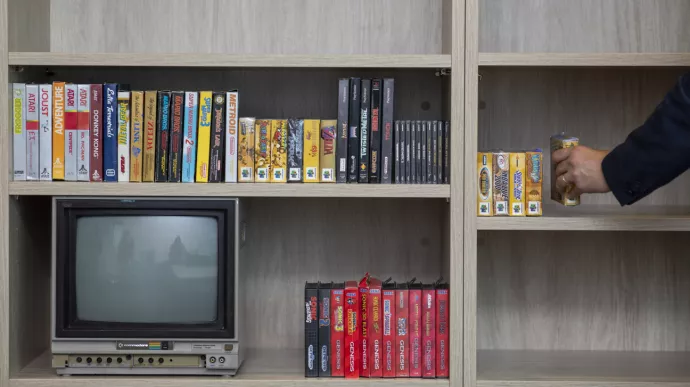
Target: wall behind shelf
584 26
247 26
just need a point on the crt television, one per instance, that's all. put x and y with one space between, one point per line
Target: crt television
145 286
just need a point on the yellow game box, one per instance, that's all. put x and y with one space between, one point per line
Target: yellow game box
327 159
262 151
561 141
484 184
517 184
533 182
245 151
312 143
278 151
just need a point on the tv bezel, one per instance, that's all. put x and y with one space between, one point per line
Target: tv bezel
66 323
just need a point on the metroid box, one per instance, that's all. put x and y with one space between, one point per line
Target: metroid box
352 324
559 142
442 334
517 184
245 151
429 331
311 154
327 156
324 329
311 330
402 336
375 329
279 135
501 172
388 335
533 181
338 330
415 324
484 192
364 323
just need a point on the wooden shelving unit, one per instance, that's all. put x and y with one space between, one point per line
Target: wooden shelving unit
529 59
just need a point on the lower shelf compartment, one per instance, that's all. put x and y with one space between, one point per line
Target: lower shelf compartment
504 368
265 368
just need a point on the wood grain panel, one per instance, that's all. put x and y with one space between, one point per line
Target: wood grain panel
29 25
522 107
291 241
278 93
608 291
5 146
247 26
584 26
583 59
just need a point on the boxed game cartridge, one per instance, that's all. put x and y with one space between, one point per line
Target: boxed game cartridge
338 330
446 153
375 329
110 132
387 138
245 150
484 183
232 100
19 130
327 157
422 152
279 137
415 329
439 153
83 132
403 158
559 142
311 153
533 181
324 330
45 137
353 135
71 124
177 109
262 151
203 143
434 152
517 184
408 152
32 132
162 135
218 129
402 335
375 132
429 331
352 332
415 156
191 110
96 120
389 329
123 123
311 330
341 145
364 324
501 186
149 161
442 334
58 131
295 148
136 141
364 126
396 167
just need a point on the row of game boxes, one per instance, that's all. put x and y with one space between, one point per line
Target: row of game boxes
376 329
509 183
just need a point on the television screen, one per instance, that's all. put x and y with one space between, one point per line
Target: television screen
146 269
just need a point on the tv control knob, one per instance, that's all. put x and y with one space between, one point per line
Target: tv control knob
88 360
160 360
212 359
221 359
150 360
119 360
99 360
79 360
141 360
109 360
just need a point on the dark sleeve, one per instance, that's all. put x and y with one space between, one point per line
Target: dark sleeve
656 152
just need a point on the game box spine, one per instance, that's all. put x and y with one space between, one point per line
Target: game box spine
296 148
388 335
311 330
446 153
191 110
431 164
343 115
414 156
352 341
439 153
375 132
45 140
429 331
110 132
364 331
71 125
177 128
96 128
328 150
424 128
408 152
353 135
278 151
262 151
203 143
338 331
19 130
403 158
324 330
32 132
149 161
245 150
415 305
58 131
364 130
311 152
396 167
442 334
136 138
83 132
123 118
232 99
375 331
162 135
218 132
387 138
402 335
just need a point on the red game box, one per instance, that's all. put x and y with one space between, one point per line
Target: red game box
364 323
442 334
352 352
375 331
415 329
429 331
402 337
388 335
338 330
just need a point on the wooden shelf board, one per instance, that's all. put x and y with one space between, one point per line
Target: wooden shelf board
505 368
595 218
585 59
264 368
227 60
230 189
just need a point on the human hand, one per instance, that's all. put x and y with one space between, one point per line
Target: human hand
579 171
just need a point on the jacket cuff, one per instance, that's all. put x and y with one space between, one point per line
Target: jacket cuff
623 186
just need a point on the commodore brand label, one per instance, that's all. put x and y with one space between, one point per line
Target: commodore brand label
143 345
